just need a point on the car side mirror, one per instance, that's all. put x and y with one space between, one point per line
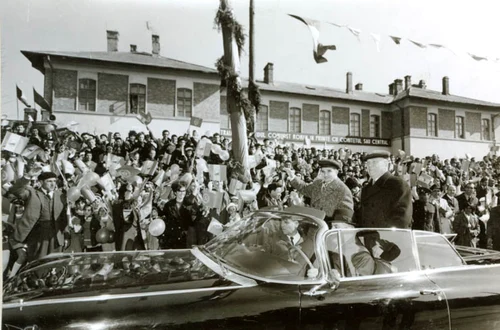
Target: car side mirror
331 284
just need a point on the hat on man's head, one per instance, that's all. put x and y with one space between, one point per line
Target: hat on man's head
423 190
47 175
330 163
377 154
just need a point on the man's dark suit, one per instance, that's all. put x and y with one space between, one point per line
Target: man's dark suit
463 200
387 203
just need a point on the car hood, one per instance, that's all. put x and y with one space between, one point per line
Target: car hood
94 274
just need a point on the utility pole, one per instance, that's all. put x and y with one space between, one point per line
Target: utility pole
251 64
238 122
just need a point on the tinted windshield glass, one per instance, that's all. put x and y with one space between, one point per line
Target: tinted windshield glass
275 245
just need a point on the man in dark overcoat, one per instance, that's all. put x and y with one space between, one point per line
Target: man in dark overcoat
42 229
386 200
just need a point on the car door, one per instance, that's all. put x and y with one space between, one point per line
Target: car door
402 299
472 291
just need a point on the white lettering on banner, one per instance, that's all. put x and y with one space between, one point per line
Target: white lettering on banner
297 137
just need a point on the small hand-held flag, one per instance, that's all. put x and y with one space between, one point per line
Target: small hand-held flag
144 118
21 97
40 100
196 121
318 49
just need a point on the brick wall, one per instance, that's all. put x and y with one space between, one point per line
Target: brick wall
418 121
340 121
206 101
406 121
278 116
446 123
161 97
224 115
112 93
472 125
386 123
397 129
47 85
365 122
310 118
65 89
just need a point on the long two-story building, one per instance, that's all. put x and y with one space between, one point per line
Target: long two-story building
104 91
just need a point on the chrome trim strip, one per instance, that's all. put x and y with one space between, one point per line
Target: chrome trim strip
105 297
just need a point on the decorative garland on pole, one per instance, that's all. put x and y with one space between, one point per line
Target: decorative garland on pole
250 104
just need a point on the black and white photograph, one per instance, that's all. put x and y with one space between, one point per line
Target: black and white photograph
250 164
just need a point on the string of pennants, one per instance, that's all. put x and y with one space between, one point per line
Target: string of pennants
319 49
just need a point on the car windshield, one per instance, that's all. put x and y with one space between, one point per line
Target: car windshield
273 245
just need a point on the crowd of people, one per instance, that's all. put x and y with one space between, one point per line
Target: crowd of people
71 192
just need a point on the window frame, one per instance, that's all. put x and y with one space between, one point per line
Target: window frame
292 125
183 98
86 91
355 119
459 126
325 124
375 131
135 90
483 126
432 124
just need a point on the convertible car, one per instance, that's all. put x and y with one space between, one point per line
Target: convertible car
271 270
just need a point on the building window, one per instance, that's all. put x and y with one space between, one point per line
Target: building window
262 118
295 120
325 122
137 98
374 126
431 124
184 102
86 94
354 127
459 127
485 129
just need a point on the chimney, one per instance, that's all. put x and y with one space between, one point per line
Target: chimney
391 89
133 48
156 44
268 73
446 86
422 84
407 82
359 87
112 40
348 88
398 83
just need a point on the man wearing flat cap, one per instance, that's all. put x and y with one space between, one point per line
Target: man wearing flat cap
386 200
42 229
328 194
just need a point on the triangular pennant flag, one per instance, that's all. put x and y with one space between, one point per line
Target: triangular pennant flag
477 58
397 40
40 100
196 121
337 25
14 143
376 38
354 31
21 97
418 44
437 46
318 49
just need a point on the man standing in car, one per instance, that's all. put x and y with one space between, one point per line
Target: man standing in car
329 194
386 200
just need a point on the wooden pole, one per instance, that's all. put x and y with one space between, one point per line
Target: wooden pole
251 64
238 121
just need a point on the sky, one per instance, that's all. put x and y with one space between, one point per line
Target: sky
187 32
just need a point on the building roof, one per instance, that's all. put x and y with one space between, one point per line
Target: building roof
294 88
138 58
429 94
